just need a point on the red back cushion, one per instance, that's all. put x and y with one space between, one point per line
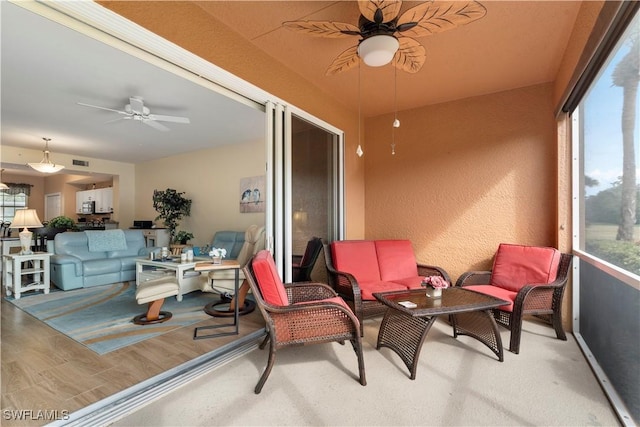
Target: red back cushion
266 273
357 257
515 266
396 259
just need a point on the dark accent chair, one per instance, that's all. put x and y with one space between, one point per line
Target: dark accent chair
301 271
299 313
5 231
532 278
42 235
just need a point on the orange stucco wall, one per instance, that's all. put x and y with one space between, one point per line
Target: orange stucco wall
466 176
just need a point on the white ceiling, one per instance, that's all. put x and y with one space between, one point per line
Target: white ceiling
48 68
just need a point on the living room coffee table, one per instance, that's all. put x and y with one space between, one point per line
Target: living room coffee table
404 329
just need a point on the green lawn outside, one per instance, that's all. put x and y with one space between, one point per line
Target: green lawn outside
600 240
607 232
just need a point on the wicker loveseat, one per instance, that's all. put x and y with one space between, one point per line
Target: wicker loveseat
358 268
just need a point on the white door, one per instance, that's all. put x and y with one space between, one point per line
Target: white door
52 206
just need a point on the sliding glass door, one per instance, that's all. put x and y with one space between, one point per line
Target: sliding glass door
307 183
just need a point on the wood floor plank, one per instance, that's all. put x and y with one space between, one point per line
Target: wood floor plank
44 369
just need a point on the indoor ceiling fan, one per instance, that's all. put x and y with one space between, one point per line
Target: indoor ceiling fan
136 110
385 36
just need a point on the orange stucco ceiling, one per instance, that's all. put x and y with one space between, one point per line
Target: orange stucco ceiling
517 44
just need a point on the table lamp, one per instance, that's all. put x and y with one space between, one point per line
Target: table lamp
25 218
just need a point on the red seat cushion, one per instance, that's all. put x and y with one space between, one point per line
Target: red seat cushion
414 282
369 288
357 257
396 259
497 292
269 282
515 266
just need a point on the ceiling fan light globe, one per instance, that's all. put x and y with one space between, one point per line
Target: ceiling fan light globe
379 50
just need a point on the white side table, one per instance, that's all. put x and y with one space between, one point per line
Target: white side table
13 273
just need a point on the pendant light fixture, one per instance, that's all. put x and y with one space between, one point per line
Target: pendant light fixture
359 151
45 165
3 186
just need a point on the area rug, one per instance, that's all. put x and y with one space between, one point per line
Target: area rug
100 317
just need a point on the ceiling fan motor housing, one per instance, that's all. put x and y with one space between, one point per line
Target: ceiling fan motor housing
370 29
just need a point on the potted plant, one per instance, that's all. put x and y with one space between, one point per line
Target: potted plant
171 206
182 237
62 222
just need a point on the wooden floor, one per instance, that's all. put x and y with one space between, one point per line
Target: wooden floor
44 370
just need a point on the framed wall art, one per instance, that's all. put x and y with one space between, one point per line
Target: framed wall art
252 194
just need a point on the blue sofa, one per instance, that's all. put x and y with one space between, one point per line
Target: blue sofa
77 263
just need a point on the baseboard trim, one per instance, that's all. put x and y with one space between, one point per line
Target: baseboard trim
116 407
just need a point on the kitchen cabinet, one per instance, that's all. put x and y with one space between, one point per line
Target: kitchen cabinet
102 196
84 196
104 200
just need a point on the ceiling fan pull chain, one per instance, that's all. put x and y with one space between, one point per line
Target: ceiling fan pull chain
396 122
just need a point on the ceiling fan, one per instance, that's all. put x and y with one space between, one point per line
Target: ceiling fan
136 110
385 36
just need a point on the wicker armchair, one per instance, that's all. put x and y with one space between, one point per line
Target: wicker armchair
540 298
346 285
299 313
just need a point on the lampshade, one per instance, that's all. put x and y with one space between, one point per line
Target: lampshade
25 218
378 50
45 164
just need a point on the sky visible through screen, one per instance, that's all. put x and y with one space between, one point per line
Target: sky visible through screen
603 128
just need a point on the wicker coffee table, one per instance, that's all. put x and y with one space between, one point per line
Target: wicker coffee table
404 329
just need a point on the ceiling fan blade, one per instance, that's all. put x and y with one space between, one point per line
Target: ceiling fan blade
438 16
173 119
410 55
101 108
380 11
117 119
137 104
323 28
155 125
345 61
